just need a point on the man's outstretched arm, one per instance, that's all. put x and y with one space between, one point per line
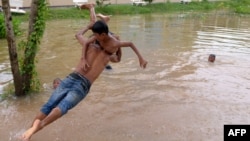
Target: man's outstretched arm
143 62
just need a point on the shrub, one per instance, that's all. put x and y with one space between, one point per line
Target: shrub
2 27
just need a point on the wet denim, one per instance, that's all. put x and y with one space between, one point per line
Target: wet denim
68 94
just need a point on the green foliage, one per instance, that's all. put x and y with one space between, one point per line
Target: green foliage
240 6
16 26
2 27
30 47
34 42
8 92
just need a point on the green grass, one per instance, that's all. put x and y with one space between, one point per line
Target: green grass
167 7
128 9
16 24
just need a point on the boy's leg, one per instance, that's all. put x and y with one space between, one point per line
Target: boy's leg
46 115
28 133
91 8
39 124
103 17
93 19
39 116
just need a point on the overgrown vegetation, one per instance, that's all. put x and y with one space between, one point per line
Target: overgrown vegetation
8 91
240 6
31 47
16 24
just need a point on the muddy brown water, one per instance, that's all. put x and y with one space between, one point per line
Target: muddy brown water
179 97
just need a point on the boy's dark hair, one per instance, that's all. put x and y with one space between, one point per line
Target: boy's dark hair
100 27
212 55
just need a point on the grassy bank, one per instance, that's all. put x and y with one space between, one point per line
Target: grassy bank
238 6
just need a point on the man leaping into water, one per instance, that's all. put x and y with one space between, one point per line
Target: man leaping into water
76 85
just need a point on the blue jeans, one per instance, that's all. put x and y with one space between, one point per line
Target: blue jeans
68 94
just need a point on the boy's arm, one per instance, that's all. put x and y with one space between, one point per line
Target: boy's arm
84 43
143 62
115 58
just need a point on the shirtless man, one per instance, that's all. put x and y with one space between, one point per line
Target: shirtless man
73 88
77 84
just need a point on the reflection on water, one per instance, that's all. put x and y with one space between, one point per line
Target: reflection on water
180 96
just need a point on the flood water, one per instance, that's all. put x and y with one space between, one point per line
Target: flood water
180 96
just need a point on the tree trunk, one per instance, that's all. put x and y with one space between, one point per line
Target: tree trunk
35 33
28 65
12 49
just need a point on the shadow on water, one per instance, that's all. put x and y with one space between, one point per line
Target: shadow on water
180 96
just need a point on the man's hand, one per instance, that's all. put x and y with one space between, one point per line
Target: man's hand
143 63
114 58
85 65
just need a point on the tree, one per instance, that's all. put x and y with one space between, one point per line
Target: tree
12 48
23 71
35 33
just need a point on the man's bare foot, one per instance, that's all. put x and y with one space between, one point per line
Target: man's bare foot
103 17
87 6
27 134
